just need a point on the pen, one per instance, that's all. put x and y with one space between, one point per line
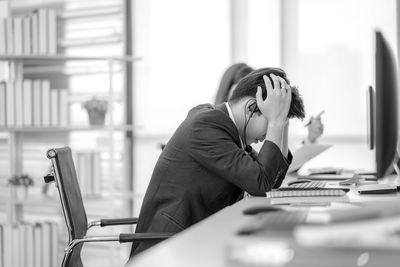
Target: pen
318 116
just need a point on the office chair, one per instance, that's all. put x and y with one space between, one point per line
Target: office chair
64 175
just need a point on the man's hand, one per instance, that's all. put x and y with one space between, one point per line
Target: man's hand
275 107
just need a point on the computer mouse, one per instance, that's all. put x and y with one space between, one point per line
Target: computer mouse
260 209
298 181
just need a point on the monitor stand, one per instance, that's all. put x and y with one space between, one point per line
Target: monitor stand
396 166
391 183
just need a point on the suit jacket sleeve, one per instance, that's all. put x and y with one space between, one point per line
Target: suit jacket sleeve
213 146
283 174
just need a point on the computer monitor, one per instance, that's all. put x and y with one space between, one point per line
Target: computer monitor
382 113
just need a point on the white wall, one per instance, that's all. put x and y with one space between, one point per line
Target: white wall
184 46
329 53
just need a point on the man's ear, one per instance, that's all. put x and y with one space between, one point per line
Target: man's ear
253 108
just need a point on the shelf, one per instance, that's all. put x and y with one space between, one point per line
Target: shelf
127 128
55 58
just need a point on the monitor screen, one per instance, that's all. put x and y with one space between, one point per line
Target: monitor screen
383 117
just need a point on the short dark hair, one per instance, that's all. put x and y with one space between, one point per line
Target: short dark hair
247 87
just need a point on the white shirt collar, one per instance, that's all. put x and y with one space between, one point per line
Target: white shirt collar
233 119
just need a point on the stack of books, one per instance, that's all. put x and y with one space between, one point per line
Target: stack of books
32 34
29 245
32 103
88 170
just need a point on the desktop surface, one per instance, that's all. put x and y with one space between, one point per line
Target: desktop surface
207 243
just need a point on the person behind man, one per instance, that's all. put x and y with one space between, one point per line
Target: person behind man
206 165
227 85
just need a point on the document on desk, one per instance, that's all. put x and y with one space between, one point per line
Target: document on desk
273 250
377 233
304 154
372 226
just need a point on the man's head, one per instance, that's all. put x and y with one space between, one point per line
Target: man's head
243 100
247 87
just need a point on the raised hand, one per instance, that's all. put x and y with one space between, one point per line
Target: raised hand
275 107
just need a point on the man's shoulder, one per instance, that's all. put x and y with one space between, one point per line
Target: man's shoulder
210 122
208 112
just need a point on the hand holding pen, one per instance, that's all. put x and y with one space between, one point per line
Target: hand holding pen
315 127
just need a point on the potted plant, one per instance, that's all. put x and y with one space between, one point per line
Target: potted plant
19 185
97 109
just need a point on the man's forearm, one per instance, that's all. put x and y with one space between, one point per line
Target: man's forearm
274 134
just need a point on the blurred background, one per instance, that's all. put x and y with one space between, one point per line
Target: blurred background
146 63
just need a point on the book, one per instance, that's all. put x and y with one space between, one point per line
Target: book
37 103
15 246
27 36
4 10
28 231
96 172
10 105
3 37
54 107
82 167
21 253
2 104
9 36
38 245
45 86
35 33
64 110
42 30
46 246
28 107
7 239
18 44
54 244
307 193
308 201
19 104
52 31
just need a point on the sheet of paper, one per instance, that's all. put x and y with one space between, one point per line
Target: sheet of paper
377 233
304 154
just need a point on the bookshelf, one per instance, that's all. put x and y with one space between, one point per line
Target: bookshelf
23 145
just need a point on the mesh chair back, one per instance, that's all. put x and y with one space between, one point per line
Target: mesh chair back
71 200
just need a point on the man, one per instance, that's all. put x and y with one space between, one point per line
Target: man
208 164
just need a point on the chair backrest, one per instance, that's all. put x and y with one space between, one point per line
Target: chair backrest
71 200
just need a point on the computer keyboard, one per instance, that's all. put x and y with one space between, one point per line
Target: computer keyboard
307 193
312 185
274 221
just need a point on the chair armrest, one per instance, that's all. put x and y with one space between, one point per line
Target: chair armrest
120 221
106 222
137 237
122 238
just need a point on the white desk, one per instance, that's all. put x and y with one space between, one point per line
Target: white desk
205 244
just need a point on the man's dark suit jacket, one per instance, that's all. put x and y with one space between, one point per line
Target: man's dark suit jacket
203 169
